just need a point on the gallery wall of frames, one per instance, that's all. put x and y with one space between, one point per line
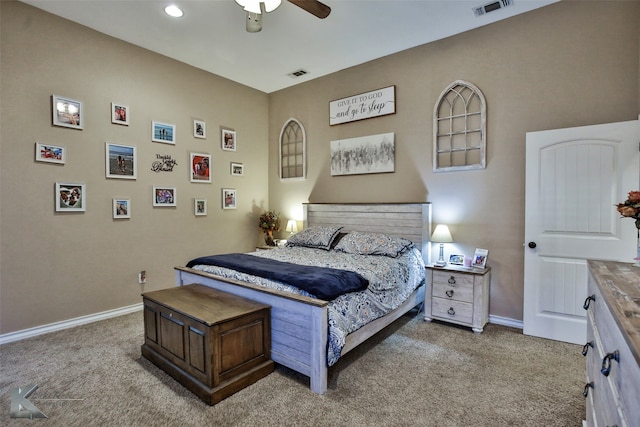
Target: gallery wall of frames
121 161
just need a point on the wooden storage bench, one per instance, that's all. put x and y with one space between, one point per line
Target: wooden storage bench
212 342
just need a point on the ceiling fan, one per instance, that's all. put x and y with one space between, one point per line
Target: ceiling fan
255 9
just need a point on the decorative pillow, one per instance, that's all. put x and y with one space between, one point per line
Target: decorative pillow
373 244
315 237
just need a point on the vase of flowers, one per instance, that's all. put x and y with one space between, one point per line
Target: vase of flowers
268 223
630 208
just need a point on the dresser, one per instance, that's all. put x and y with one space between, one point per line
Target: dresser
459 295
212 342
612 350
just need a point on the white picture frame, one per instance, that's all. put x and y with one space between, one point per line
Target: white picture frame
200 167
120 161
479 259
121 208
120 114
199 129
70 197
163 132
229 198
164 196
50 153
67 112
200 207
237 169
229 140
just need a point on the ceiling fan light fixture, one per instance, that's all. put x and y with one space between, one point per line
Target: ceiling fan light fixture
173 10
253 6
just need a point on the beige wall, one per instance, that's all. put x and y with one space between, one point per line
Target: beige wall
568 64
60 266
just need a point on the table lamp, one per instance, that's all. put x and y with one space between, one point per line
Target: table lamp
292 226
441 235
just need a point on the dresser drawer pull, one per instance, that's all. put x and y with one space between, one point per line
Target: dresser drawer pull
587 386
585 348
587 301
452 280
606 362
449 293
451 311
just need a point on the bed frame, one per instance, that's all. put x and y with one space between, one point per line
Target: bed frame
299 325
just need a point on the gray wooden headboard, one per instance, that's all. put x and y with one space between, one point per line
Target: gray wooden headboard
409 220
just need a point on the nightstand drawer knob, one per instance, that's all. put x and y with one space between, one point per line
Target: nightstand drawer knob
449 293
587 301
585 348
452 280
587 386
451 311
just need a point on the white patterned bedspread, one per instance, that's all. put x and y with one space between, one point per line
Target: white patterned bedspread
391 281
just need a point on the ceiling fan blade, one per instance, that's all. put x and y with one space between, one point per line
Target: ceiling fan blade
314 7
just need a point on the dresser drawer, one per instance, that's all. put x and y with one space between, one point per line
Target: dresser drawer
461 312
457 293
453 279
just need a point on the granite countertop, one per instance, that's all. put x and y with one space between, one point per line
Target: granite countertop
620 286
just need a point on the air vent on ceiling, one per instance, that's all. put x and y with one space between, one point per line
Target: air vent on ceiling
298 73
493 6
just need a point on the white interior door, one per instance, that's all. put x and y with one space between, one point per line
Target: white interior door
574 177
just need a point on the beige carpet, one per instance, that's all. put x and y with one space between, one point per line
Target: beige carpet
412 373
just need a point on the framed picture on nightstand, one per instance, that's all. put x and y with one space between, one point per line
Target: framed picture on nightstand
456 259
479 258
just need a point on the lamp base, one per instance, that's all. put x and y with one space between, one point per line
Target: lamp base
440 263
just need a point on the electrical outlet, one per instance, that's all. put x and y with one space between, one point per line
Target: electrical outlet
142 277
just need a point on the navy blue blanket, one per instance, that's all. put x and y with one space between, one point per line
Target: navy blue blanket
323 282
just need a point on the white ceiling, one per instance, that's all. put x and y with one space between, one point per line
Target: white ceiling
211 35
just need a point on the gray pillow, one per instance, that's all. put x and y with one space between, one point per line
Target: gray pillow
361 243
315 237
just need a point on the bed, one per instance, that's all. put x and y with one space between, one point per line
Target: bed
300 324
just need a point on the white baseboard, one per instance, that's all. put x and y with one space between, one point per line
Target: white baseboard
505 321
58 326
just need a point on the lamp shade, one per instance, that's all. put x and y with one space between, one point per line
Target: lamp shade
441 234
292 226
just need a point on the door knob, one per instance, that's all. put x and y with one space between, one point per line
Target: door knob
532 245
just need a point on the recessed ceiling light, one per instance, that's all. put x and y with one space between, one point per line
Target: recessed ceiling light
174 11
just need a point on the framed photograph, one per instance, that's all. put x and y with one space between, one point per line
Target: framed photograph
50 153
199 129
67 112
200 207
163 132
228 140
70 197
121 208
164 196
237 169
200 167
119 114
120 161
479 258
228 198
456 259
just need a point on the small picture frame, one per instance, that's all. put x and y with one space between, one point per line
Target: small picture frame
120 161
51 153
70 197
67 112
480 258
200 167
237 169
199 129
119 114
164 196
228 140
456 259
200 207
163 132
228 198
121 208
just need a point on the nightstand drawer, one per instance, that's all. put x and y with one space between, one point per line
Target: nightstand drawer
452 310
456 293
452 278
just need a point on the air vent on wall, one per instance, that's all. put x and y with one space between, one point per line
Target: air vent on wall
297 74
490 7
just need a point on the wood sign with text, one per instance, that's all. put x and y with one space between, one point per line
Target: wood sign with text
379 102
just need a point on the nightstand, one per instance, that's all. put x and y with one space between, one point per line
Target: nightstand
264 248
458 294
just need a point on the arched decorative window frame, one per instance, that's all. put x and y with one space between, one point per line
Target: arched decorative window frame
437 138
304 150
